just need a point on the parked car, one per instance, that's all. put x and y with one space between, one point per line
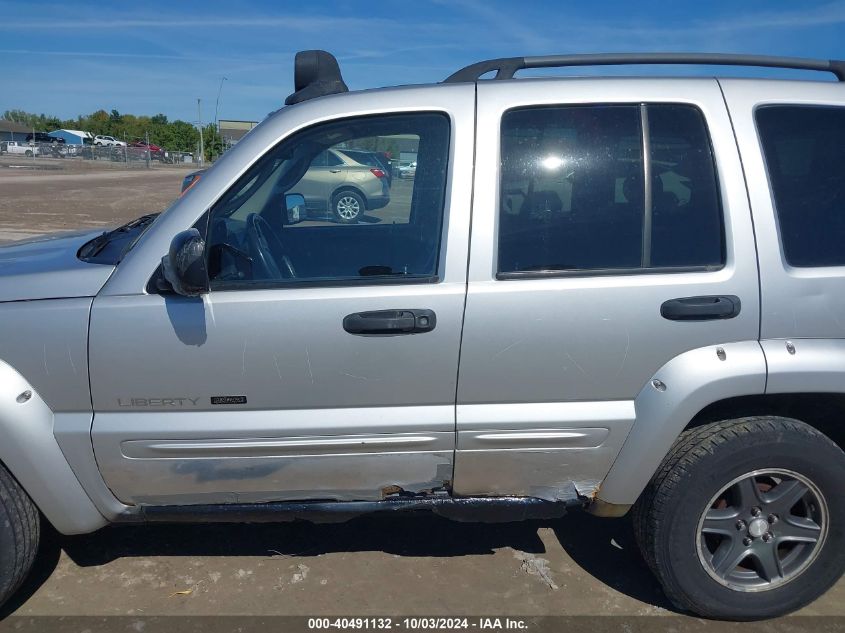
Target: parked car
407 169
43 137
190 180
601 294
335 187
128 153
156 152
108 140
19 147
373 159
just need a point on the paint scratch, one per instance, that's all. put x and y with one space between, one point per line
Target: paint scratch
514 344
46 370
627 348
70 358
308 359
354 376
276 363
243 361
575 362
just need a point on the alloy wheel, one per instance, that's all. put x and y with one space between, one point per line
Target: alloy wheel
348 207
762 530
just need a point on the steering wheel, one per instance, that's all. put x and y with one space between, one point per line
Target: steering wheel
264 247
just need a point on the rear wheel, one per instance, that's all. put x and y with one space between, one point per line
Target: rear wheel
19 533
745 518
348 207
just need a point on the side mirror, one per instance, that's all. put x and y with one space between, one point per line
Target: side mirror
184 265
295 205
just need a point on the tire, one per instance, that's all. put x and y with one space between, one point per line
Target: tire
348 206
19 534
669 518
28 153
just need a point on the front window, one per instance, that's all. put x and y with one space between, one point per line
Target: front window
352 224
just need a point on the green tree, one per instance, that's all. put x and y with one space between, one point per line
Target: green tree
176 135
213 142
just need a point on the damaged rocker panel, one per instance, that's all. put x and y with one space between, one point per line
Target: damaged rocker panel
474 509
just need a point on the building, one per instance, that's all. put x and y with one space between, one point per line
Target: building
233 131
12 131
73 137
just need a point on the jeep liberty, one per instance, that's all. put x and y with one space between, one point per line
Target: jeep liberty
612 294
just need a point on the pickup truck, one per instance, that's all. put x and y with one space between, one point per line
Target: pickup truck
615 295
19 147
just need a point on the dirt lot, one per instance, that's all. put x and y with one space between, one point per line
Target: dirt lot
36 197
579 565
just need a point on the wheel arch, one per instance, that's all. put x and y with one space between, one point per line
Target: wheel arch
805 384
675 395
29 452
825 412
348 187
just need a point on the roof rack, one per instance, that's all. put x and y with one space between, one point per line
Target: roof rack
505 67
315 73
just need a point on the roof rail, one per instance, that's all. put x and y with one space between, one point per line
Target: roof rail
315 73
505 67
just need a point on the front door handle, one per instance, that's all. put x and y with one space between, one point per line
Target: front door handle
334 171
706 308
389 322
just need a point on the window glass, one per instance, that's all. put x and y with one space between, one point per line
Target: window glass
309 211
804 147
686 210
573 194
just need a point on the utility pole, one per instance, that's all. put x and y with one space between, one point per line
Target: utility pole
202 145
147 142
217 107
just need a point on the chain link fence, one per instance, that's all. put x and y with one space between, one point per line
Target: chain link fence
131 155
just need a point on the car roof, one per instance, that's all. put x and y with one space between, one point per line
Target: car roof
317 74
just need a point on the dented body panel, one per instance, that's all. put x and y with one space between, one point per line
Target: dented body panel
161 458
542 450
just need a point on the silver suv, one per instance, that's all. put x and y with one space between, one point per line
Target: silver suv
603 293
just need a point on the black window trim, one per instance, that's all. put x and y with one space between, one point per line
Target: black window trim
374 280
611 272
786 104
341 282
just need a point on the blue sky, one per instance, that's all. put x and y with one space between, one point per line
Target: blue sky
69 58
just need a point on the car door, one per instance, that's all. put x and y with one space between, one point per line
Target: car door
611 233
338 383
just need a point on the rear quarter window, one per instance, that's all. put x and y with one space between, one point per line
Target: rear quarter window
804 150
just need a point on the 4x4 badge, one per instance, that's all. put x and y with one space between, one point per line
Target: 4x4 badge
228 399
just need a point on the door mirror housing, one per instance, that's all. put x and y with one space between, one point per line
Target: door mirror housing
184 265
295 207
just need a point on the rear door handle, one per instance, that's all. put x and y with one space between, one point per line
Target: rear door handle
390 322
705 308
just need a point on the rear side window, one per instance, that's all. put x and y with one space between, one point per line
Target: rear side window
608 188
804 147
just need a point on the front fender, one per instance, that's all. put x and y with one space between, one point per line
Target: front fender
692 381
30 452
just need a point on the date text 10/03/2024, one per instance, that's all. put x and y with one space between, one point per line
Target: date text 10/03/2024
419 623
